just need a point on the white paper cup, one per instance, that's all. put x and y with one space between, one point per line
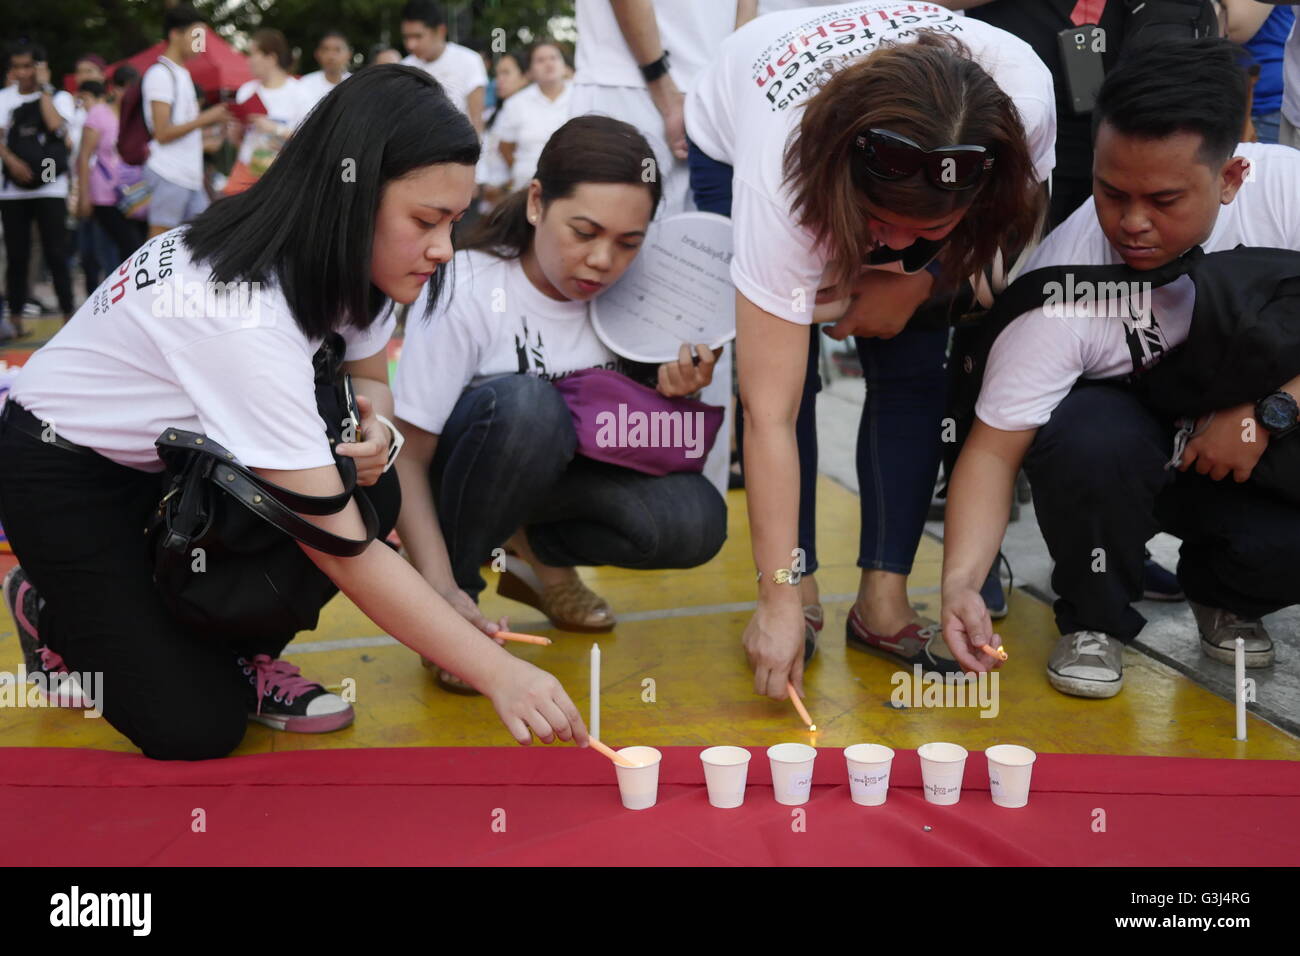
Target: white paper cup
941 768
725 770
1010 767
869 773
792 771
639 786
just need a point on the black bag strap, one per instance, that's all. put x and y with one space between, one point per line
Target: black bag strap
271 502
1029 290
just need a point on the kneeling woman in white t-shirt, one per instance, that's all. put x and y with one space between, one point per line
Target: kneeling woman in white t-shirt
490 446
358 210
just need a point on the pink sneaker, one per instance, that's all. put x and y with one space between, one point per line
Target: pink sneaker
42 664
285 700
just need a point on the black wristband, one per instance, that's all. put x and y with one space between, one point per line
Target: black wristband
652 71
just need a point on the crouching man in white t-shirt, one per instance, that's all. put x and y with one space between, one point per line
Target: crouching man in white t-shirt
1168 175
212 328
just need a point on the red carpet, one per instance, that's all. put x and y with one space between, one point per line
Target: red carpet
427 806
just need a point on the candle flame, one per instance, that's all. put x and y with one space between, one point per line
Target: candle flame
813 728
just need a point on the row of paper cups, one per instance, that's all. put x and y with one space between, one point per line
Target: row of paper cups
726 770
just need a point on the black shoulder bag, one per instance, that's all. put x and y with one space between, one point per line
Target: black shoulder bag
225 541
1243 343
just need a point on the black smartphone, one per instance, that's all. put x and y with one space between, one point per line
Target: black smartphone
353 415
1081 59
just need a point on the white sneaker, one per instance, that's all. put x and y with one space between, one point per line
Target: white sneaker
1087 664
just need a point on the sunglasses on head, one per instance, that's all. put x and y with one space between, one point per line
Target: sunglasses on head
890 156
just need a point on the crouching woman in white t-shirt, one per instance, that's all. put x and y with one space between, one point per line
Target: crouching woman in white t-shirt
490 446
358 210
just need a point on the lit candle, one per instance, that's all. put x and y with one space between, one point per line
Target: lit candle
1241 688
593 727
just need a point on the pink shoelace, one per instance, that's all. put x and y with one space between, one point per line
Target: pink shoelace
275 675
52 661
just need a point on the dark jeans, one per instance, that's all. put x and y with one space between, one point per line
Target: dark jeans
506 459
711 185
17 216
125 235
1101 491
899 442
88 253
75 524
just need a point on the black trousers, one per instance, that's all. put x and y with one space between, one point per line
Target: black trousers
127 235
76 525
50 216
1101 491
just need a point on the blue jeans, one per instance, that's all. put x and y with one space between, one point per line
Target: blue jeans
899 442
711 185
507 458
1266 126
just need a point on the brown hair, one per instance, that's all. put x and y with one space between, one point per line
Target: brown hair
932 92
272 42
586 149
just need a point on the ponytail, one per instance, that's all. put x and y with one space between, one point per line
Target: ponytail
506 232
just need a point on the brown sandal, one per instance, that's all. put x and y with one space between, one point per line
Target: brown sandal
571 606
449 681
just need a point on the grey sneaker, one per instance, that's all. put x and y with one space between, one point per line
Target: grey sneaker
1087 664
1220 630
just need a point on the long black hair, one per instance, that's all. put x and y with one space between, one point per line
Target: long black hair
586 149
308 224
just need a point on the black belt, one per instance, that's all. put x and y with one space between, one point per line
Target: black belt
20 419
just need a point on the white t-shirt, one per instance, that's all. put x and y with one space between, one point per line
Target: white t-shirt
1291 72
1038 357
690 30
497 323
180 161
316 87
744 108
460 71
65 106
146 352
528 119
287 105
492 169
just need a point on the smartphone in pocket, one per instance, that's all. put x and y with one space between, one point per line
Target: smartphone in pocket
1081 59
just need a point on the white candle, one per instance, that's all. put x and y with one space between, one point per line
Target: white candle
1241 688
593 725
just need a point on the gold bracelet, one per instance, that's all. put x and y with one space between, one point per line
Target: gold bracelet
780 576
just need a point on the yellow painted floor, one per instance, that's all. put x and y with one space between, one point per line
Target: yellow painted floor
679 630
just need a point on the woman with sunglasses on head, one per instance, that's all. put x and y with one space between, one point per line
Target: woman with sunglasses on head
871 155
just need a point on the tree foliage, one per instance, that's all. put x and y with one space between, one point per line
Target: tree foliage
119 28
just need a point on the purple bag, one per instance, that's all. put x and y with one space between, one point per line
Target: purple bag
623 423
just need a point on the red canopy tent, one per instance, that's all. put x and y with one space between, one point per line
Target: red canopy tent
219 67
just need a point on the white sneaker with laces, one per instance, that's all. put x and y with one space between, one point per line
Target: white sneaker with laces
1087 664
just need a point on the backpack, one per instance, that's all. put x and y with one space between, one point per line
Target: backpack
1154 20
31 140
1243 343
133 133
